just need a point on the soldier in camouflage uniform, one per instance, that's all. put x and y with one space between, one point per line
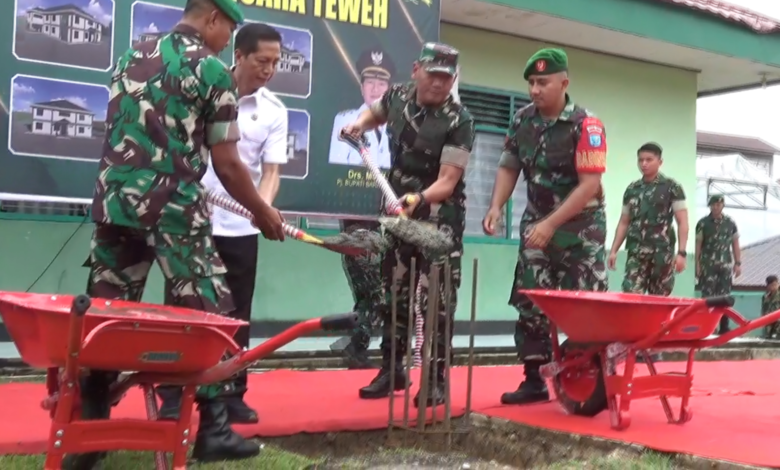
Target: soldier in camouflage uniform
431 138
649 206
717 238
149 203
560 148
365 281
770 302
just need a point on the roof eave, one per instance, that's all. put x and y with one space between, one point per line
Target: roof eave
725 91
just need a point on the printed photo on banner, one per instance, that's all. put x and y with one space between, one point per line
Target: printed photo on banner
298 133
57 118
374 71
73 33
293 73
149 21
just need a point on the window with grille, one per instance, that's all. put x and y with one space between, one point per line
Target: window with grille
493 112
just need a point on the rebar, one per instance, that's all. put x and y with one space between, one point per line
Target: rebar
431 354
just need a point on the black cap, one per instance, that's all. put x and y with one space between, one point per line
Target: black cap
375 63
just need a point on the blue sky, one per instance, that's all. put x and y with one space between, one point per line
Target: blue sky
295 39
27 90
153 18
102 10
298 122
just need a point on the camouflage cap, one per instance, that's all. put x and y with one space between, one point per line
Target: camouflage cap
436 57
546 62
715 198
231 9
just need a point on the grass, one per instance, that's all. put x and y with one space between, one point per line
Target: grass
271 458
648 461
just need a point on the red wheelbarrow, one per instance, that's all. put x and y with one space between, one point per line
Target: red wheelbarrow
156 344
604 329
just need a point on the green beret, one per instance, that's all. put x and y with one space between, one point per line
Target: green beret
231 9
546 62
714 199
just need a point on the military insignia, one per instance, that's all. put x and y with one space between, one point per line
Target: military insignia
541 65
376 58
595 140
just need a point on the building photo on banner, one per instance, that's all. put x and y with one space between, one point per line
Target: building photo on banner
74 33
60 60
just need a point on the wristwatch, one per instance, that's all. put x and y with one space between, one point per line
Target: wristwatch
682 253
738 263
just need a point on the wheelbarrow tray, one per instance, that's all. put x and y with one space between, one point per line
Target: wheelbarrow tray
118 335
610 317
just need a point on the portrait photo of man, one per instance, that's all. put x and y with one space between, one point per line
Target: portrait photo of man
376 71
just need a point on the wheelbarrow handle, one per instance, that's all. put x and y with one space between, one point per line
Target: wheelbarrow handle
80 305
340 322
719 301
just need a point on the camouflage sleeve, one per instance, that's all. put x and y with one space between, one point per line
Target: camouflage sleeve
591 151
220 111
700 230
678 198
734 230
459 143
626 209
381 107
510 156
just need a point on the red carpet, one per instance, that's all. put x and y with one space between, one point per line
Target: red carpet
736 408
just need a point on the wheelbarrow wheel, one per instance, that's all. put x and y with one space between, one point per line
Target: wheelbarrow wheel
581 390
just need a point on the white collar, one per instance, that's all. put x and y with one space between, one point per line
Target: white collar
257 96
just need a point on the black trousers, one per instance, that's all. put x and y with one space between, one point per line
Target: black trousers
240 257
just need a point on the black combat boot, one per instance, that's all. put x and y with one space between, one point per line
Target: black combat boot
532 390
380 386
238 411
435 394
216 441
170 395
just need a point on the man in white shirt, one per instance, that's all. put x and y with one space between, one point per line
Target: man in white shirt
376 70
262 122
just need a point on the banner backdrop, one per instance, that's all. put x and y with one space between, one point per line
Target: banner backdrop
337 56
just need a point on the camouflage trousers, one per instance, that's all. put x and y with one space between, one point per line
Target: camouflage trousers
567 263
396 275
715 280
365 281
649 272
121 258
